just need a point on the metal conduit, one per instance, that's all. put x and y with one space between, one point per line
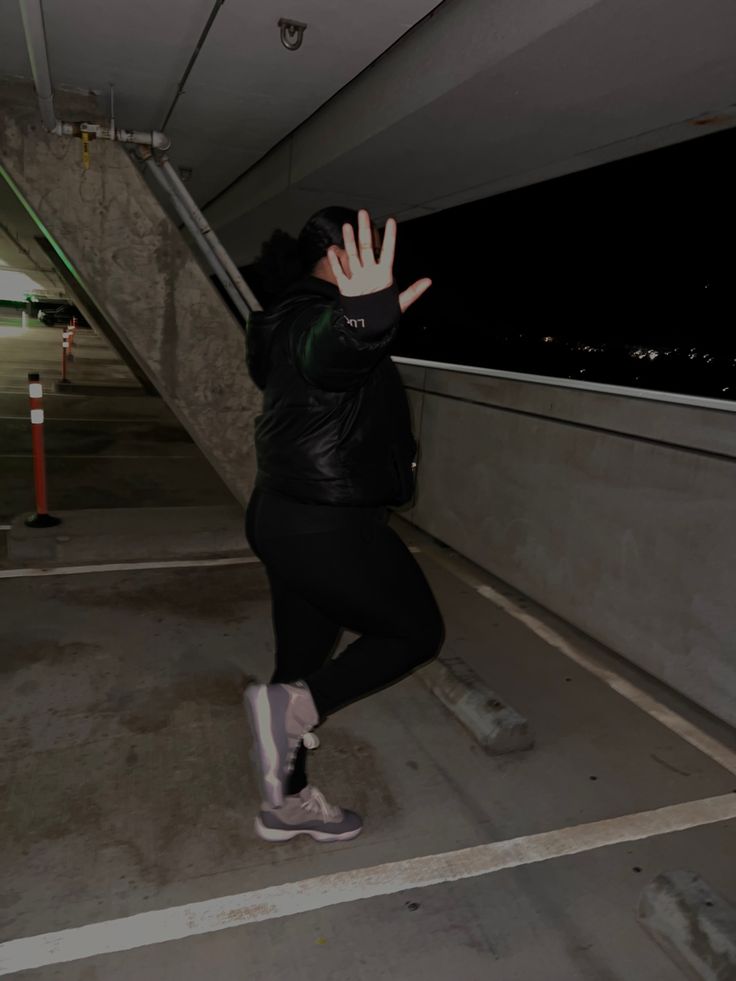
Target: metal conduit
204 229
158 175
162 170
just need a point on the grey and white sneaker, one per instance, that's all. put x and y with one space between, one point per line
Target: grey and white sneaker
307 813
280 716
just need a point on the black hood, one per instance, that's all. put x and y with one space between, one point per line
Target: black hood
262 324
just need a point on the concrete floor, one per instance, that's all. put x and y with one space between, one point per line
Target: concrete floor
106 451
127 788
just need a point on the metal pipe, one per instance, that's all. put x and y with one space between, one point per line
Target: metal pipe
203 226
32 15
197 51
153 138
219 270
165 174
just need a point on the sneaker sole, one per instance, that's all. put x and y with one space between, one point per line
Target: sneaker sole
267 755
276 834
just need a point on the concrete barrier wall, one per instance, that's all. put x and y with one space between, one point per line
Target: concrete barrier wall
140 272
616 513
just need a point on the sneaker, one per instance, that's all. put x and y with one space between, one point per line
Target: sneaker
280 716
307 813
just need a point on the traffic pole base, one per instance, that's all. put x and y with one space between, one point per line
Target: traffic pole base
42 521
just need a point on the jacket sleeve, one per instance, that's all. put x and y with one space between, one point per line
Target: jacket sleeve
337 345
258 337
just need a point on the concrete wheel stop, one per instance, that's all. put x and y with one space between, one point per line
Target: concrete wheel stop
496 726
692 923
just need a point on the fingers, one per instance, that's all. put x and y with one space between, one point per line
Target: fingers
412 294
365 237
348 238
389 244
335 265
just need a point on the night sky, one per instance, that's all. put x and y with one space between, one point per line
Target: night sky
619 273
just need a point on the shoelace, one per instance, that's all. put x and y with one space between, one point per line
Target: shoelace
315 803
310 742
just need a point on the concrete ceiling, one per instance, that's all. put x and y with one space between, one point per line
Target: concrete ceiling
485 97
479 97
245 91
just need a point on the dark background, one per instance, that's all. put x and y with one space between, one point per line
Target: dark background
621 274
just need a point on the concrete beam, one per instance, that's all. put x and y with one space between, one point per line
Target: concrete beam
457 41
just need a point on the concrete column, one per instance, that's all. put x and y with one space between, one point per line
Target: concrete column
132 261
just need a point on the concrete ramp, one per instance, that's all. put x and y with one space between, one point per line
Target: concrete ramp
130 259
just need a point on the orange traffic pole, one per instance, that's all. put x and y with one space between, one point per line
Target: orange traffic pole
41 519
64 355
72 334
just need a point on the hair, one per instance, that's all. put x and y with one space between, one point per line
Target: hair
285 259
321 231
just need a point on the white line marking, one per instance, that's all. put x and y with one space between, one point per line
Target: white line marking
78 570
141 420
163 458
717 751
288 899
5 527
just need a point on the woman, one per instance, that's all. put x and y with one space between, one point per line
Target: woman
335 450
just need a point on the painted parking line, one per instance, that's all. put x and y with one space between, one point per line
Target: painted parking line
77 570
288 899
716 750
138 420
159 457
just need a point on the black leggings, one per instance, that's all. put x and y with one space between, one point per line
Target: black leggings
357 576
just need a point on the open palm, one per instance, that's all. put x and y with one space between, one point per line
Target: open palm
366 274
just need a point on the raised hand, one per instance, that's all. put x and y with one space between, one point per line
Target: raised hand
366 274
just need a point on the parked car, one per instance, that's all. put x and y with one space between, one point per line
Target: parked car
60 315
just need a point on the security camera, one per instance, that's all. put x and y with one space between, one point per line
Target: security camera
292 33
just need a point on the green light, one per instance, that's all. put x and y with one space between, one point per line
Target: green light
40 225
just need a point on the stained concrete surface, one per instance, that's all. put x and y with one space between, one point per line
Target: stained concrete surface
550 922
130 535
126 784
117 451
128 788
38 348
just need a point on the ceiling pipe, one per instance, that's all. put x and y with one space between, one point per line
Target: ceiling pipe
203 228
156 171
36 43
35 34
164 174
197 51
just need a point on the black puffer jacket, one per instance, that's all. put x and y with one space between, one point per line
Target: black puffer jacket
335 426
